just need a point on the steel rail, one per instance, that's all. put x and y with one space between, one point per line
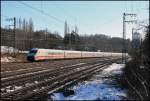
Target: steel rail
55 79
33 69
35 75
44 82
63 83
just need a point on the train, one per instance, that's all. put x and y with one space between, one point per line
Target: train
37 54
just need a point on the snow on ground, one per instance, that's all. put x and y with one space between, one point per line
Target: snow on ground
7 49
98 87
7 59
10 50
95 91
113 69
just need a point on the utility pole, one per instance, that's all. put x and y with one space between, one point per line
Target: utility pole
124 37
14 35
141 45
70 41
124 49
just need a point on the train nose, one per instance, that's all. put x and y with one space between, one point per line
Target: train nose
30 58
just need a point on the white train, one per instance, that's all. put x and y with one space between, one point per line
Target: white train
36 54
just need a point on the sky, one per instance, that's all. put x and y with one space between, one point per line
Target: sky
91 17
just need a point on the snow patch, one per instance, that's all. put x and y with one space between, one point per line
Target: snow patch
113 69
57 96
7 49
93 91
7 59
18 87
97 88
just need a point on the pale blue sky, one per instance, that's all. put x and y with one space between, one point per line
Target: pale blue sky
90 16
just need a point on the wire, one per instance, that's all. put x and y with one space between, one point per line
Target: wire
108 21
44 13
42 5
70 15
45 21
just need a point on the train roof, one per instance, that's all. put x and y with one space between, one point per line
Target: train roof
56 50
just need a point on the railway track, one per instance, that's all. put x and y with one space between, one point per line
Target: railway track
9 67
38 75
49 79
38 66
34 76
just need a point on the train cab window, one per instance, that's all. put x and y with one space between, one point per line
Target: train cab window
33 51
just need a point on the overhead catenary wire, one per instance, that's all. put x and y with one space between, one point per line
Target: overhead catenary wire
43 19
110 21
41 11
42 5
66 13
44 13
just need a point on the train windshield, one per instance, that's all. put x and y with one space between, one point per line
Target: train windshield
33 51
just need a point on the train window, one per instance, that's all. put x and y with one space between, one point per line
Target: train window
33 51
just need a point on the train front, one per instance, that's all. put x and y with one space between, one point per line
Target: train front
31 54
